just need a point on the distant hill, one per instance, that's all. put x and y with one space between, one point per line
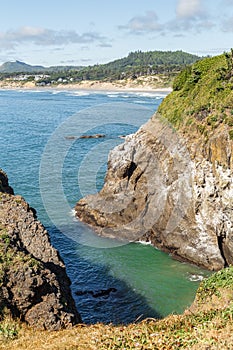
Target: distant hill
137 64
21 67
154 58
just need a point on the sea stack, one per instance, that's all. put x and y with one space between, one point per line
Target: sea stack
171 183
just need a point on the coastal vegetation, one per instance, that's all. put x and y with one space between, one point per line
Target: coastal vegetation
202 96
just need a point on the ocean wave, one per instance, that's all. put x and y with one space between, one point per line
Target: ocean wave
155 94
142 102
55 92
113 95
26 91
78 93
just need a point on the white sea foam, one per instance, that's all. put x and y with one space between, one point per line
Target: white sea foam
113 95
78 93
55 92
156 95
144 242
142 102
72 212
196 278
24 91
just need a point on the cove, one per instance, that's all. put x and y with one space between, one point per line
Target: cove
145 281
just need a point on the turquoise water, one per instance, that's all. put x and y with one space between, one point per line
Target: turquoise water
39 143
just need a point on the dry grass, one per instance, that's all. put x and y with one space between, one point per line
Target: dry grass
211 330
207 325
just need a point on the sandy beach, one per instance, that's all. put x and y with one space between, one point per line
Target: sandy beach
143 86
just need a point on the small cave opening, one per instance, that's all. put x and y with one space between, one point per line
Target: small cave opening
221 240
131 167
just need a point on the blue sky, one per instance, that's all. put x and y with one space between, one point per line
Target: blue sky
74 32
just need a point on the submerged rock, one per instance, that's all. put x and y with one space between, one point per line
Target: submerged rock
33 282
95 136
71 137
97 294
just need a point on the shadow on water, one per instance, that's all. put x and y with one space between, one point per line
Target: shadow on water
99 296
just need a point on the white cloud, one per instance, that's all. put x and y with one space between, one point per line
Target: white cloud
190 16
190 25
143 24
187 9
48 37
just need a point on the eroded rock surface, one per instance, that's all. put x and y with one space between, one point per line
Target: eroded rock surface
174 191
33 282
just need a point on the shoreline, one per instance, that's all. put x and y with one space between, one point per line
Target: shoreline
87 86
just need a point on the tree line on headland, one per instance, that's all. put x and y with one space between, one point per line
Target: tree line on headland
136 64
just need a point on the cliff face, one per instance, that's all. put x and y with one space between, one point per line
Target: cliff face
33 282
172 183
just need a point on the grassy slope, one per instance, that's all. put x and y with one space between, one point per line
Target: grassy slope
202 97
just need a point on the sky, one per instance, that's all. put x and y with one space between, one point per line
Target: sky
87 32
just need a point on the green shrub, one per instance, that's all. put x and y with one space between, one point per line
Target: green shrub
181 79
200 92
231 134
211 285
8 330
229 121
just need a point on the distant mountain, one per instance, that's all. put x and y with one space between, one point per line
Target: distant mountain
21 67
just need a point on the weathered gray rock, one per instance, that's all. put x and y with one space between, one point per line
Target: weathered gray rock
170 190
33 281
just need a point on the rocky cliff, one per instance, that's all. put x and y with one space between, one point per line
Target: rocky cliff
33 282
171 182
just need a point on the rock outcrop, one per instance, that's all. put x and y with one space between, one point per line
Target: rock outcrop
33 282
4 185
172 187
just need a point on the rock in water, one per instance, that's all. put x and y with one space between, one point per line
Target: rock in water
95 136
33 282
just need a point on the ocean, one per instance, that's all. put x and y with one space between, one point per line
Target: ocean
52 168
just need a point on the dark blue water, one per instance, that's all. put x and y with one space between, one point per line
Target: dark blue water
52 168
